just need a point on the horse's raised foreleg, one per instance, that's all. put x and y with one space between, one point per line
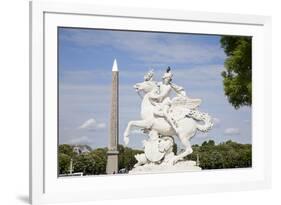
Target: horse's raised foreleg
143 124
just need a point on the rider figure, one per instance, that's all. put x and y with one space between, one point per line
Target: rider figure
162 101
161 98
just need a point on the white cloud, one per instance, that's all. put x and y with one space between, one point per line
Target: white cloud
231 131
91 124
101 125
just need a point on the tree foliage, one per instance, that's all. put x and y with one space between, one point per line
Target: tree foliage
225 155
94 162
64 162
91 163
228 154
237 78
127 158
67 149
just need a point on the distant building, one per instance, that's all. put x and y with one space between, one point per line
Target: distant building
81 149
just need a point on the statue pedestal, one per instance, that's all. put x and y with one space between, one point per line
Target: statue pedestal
181 166
158 157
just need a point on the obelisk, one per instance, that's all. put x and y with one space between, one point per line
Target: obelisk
112 153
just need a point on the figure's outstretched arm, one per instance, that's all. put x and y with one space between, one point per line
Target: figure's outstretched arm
178 89
161 96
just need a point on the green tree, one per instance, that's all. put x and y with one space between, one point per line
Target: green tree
67 149
209 143
64 163
228 154
84 163
91 163
126 157
100 157
237 79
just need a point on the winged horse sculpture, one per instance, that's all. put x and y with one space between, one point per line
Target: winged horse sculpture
165 116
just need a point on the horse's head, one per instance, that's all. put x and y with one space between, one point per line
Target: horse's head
146 86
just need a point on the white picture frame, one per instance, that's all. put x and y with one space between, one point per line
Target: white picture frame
46 187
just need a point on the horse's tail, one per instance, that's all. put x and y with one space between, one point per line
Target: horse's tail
201 116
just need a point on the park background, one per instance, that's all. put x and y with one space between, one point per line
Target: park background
216 69
14 86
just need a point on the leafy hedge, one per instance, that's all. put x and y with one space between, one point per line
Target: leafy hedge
211 156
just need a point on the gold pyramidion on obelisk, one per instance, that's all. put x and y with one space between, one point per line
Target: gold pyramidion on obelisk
112 153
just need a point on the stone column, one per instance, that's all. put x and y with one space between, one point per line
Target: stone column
112 153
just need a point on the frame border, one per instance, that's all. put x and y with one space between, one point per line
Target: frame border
36 83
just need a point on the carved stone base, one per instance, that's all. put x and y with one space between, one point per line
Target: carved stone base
181 166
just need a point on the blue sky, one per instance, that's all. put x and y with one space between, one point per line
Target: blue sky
85 61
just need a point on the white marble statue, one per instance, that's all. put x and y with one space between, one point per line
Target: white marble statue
164 118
